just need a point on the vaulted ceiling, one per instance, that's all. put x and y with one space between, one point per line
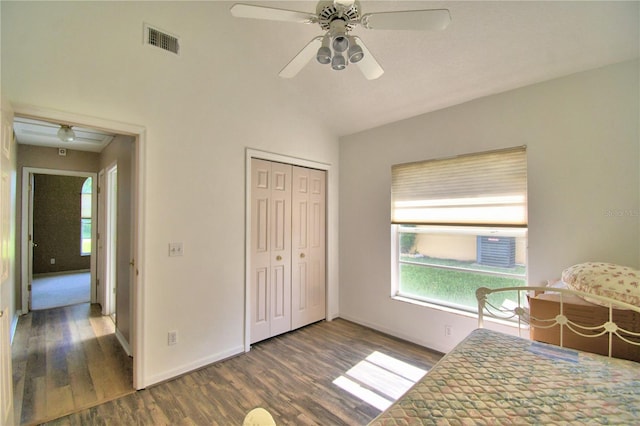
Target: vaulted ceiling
489 47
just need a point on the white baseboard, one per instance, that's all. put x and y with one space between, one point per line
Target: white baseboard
187 368
124 343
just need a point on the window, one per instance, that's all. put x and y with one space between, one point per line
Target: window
459 224
85 217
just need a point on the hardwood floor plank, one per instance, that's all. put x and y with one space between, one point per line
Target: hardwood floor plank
289 375
37 392
58 401
60 366
82 389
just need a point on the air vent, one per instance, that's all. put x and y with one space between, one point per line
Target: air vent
161 39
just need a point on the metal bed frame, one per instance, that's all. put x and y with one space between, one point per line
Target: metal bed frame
522 315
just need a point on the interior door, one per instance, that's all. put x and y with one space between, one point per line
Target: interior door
280 248
31 244
308 252
270 294
111 231
260 255
6 281
100 234
318 245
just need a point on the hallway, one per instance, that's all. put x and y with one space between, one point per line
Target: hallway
64 360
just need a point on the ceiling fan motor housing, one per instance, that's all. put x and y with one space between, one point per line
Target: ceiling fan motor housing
328 11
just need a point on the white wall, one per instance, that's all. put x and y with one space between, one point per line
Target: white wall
200 111
120 151
582 143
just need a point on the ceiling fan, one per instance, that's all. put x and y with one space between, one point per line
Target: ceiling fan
337 18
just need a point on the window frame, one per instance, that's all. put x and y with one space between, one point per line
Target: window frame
478 226
84 219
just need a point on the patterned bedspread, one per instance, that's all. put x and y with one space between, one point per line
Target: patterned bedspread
492 378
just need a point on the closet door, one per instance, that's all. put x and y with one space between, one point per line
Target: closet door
270 295
280 248
308 251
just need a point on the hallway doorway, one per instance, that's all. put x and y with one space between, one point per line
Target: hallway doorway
131 169
59 216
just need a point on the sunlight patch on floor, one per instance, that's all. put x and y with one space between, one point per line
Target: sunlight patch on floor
379 379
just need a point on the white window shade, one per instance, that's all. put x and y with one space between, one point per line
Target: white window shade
487 189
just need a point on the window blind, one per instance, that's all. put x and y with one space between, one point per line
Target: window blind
487 189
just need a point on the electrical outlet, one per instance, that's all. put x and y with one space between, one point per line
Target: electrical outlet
447 330
53 260
176 249
172 338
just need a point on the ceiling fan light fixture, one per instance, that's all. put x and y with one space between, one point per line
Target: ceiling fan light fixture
339 38
66 133
324 55
355 53
338 62
324 52
340 43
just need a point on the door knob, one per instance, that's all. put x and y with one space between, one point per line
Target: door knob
301 255
278 258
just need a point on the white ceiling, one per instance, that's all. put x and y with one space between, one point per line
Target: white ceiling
489 47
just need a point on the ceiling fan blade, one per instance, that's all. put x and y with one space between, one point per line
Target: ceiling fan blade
368 64
431 19
240 10
302 58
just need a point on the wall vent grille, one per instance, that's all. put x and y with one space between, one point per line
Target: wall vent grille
161 39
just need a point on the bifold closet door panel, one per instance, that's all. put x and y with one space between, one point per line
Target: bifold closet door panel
260 249
280 248
317 248
308 252
270 281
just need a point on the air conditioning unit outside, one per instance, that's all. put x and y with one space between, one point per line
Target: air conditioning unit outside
496 251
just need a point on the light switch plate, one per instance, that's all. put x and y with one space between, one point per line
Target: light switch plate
176 249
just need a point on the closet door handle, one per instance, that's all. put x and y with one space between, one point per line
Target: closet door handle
278 258
302 256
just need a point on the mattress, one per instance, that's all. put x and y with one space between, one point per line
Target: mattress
493 378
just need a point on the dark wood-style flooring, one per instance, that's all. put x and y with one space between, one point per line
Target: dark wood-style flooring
290 375
64 360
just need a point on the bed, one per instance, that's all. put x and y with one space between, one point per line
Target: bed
496 378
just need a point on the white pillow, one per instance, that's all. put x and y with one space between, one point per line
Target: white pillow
617 282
